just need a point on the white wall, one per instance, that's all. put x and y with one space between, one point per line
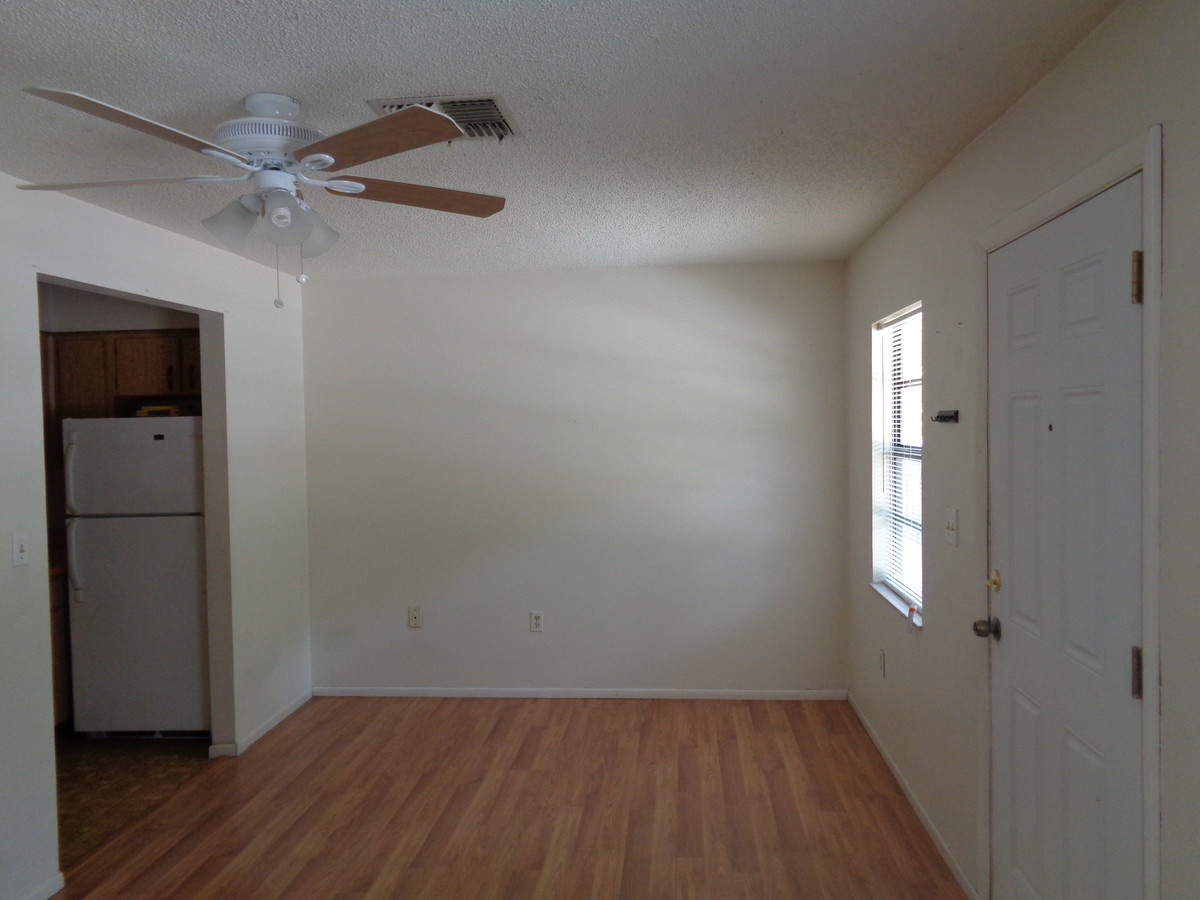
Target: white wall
652 457
1138 69
262 594
63 308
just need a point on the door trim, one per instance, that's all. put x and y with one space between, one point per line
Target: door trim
1140 154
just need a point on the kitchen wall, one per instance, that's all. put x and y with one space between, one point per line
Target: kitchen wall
1138 69
63 308
258 578
652 457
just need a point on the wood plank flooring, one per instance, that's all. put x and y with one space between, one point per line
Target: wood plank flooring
489 799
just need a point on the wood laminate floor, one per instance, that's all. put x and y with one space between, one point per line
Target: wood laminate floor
429 798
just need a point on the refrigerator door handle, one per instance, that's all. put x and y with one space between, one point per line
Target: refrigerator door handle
74 580
69 473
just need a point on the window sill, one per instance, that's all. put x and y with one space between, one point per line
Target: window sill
902 606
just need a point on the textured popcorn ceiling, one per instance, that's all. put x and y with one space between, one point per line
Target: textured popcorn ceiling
656 131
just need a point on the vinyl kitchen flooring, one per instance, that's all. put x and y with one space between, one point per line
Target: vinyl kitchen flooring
106 784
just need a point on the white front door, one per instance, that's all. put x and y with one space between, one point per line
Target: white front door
1065 509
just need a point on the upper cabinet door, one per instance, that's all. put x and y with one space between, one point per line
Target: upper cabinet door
82 375
146 364
189 364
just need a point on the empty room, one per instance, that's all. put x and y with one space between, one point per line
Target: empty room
633 450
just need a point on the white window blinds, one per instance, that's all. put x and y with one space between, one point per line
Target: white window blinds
898 494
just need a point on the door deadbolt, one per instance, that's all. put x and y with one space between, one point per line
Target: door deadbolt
987 628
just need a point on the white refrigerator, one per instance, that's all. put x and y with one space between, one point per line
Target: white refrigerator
135 557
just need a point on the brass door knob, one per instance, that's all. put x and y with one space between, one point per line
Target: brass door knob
987 628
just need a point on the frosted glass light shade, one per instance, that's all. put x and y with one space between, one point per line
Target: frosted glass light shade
284 222
234 222
321 239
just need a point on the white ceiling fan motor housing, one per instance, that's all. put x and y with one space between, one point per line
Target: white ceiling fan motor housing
267 180
270 132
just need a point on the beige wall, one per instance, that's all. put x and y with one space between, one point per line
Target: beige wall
258 595
1140 68
63 308
652 457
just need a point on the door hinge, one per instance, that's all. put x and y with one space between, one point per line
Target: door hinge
1136 684
1139 281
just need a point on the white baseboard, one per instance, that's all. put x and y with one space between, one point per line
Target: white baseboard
237 749
49 889
581 693
943 848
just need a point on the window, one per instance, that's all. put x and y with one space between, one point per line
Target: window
897 459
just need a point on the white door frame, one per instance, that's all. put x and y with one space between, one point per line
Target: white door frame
1141 154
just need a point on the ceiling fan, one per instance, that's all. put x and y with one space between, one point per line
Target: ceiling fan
278 154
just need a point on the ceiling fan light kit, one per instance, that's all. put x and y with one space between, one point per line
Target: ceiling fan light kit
286 224
277 154
320 238
234 222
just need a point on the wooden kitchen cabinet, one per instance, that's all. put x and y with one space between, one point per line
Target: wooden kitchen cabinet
156 363
189 363
95 371
83 384
145 364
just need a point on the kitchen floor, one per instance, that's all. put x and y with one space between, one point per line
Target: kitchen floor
105 784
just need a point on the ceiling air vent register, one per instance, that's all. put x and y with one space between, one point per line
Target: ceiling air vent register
478 117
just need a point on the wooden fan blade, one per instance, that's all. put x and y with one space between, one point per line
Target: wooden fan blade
443 199
128 119
70 186
405 129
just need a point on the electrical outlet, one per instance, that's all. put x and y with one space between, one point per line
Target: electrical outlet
414 617
537 621
20 549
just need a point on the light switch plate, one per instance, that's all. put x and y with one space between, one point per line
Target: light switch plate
950 526
20 549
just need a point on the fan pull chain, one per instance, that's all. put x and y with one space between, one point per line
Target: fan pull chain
278 293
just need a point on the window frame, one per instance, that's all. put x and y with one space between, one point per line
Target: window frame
886 429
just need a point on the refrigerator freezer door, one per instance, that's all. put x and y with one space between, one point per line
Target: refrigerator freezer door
139 650
121 467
